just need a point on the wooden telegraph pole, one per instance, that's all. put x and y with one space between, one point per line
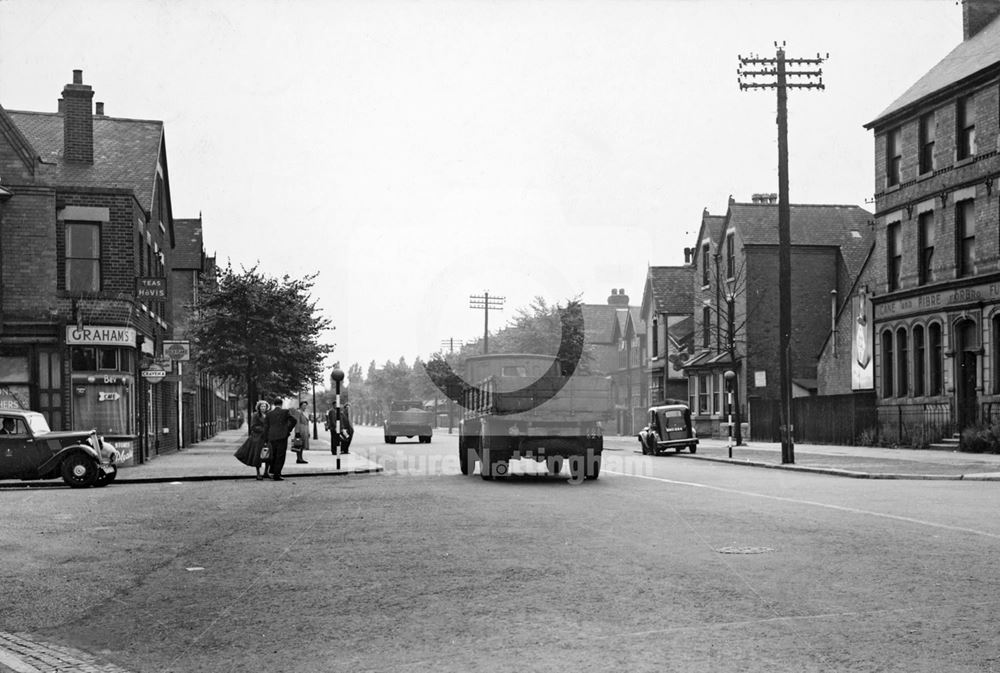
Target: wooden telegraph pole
487 303
751 68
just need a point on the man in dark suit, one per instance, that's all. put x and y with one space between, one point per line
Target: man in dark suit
278 425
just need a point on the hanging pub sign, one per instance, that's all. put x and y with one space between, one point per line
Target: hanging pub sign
150 288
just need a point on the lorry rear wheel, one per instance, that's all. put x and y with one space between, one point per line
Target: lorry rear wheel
594 468
463 460
693 448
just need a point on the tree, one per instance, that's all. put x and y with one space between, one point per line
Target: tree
261 331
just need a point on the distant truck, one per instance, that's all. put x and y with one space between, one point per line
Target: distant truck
521 406
407 418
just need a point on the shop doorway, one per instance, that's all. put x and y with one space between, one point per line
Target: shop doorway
966 374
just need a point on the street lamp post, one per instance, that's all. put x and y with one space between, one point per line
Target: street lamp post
730 376
336 376
315 413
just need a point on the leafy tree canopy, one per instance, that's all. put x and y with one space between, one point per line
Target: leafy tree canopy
261 330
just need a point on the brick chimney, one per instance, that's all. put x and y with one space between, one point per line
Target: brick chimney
977 14
78 121
618 298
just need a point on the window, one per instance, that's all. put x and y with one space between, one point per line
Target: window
902 362
894 254
706 326
919 353
704 390
83 256
965 235
107 358
887 363
692 393
965 128
730 256
84 359
996 354
656 338
927 132
936 364
705 278
925 244
893 156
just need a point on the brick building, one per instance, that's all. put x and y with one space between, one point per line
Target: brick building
85 217
666 315
932 286
736 300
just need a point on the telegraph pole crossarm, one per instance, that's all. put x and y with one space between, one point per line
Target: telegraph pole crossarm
776 68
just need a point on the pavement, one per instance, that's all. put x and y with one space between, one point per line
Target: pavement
212 460
859 462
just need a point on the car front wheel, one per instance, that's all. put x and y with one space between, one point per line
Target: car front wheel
80 471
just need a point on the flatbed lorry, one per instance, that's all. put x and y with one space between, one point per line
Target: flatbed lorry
521 406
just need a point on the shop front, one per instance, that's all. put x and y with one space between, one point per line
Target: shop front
102 383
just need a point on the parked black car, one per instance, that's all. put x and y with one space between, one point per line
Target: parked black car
29 450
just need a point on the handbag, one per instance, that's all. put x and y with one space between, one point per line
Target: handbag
243 453
265 453
297 442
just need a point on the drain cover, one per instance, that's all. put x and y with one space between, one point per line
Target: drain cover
744 550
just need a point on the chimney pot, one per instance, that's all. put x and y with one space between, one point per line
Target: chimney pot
100 109
62 106
77 77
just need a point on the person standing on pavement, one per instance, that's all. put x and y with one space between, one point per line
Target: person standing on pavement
278 425
301 430
249 451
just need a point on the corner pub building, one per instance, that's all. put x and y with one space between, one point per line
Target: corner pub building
933 281
85 213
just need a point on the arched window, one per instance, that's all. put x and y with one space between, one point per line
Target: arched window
887 363
919 361
935 359
902 362
995 353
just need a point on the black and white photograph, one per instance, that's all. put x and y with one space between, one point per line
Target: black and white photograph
456 336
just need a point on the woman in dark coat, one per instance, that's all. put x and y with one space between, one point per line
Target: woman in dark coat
249 452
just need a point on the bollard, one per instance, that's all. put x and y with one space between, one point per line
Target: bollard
336 376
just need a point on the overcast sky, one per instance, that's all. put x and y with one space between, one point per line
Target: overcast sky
415 153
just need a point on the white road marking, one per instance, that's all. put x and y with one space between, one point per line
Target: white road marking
813 503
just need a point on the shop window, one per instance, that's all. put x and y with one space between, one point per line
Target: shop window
927 132
919 353
893 156
902 362
894 254
887 362
15 389
83 256
84 358
965 238
935 361
107 358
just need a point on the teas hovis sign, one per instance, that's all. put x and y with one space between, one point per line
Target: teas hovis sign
100 335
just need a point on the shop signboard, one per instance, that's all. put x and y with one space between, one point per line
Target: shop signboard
177 350
100 335
151 289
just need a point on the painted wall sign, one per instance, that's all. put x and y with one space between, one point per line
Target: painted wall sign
100 335
151 289
938 300
862 338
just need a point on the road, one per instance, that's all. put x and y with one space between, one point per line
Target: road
662 564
